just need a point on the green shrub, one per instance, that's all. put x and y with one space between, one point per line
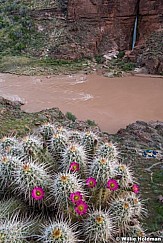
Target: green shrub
91 123
16 26
99 59
129 66
121 54
70 116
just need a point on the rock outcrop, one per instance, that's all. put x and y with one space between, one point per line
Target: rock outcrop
150 18
150 54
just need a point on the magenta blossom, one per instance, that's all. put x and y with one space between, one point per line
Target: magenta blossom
76 197
91 182
135 188
81 208
74 167
38 193
112 185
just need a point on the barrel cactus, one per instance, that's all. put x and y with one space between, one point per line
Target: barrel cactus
57 144
124 175
98 227
74 159
108 150
136 231
9 206
102 169
137 204
7 166
29 176
62 130
11 146
122 212
89 141
75 136
63 185
15 230
47 130
32 146
58 231
7 142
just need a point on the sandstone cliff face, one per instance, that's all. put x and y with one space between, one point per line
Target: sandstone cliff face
113 21
95 27
150 18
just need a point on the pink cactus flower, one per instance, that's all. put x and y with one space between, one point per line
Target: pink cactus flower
76 197
91 182
74 167
38 193
135 188
112 185
81 208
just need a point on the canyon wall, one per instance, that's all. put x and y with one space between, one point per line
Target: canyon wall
150 18
109 24
95 27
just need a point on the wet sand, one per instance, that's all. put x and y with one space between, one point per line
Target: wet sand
112 102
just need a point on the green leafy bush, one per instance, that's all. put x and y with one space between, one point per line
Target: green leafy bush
91 123
70 116
15 26
121 54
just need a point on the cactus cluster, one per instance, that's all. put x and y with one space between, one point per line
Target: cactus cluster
82 193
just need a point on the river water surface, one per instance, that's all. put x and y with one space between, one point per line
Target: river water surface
112 102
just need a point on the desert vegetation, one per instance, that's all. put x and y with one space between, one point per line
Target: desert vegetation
62 185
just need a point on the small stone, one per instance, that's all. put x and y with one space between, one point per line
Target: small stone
109 75
37 123
160 198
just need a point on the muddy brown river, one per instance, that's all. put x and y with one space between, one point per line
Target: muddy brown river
112 102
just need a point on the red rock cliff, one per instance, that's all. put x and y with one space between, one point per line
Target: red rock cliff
107 24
